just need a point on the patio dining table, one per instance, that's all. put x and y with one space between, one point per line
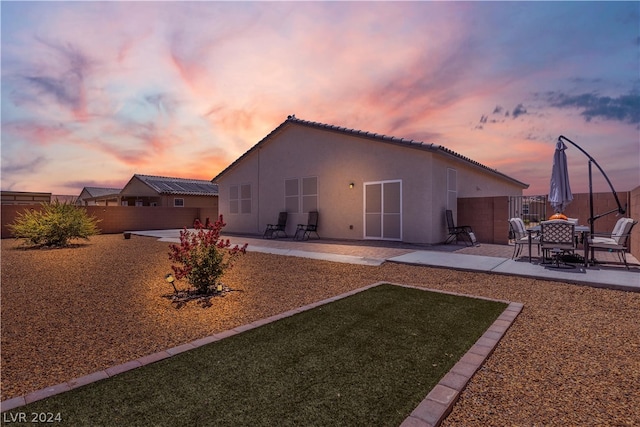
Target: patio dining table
582 230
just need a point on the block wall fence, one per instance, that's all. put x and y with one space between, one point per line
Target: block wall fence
116 219
487 215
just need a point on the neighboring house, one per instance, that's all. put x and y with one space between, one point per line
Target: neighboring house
24 198
147 190
364 185
64 198
99 196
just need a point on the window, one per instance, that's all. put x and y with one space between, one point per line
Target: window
234 199
240 199
178 203
245 198
301 194
139 203
291 195
309 194
452 190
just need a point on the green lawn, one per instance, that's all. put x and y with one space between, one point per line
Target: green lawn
368 359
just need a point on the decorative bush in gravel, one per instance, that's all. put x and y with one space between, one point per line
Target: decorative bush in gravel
202 257
54 225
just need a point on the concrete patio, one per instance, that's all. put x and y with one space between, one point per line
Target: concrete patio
487 258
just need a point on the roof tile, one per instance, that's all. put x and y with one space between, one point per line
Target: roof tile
385 138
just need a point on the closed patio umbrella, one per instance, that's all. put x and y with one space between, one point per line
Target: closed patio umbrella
560 190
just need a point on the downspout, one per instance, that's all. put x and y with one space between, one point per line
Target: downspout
258 194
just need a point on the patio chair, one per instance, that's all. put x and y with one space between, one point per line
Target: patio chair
303 231
557 238
273 229
521 237
616 241
461 232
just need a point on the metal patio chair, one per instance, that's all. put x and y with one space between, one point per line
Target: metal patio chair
616 241
461 232
521 237
303 231
272 230
557 238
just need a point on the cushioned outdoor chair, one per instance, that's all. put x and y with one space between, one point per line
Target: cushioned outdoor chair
272 230
303 231
557 238
521 237
461 232
616 241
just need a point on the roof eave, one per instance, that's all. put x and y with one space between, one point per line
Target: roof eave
410 143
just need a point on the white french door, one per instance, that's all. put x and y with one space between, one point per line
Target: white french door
383 210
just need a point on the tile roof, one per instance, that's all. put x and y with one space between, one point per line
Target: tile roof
168 185
410 143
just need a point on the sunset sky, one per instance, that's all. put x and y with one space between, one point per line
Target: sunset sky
94 92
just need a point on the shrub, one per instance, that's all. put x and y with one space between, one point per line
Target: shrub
55 224
203 256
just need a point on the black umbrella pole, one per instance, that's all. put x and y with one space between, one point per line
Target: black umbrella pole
592 218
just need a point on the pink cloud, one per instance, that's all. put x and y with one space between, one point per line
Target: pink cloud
156 85
38 133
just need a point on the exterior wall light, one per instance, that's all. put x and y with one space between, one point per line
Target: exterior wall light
351 185
170 279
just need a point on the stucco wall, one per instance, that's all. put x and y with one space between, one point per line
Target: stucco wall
338 160
135 187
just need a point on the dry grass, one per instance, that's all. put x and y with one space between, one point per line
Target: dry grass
571 358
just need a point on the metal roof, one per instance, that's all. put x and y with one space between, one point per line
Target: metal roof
409 143
102 191
168 185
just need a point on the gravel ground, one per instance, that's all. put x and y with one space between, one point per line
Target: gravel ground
571 357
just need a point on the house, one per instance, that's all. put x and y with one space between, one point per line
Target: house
64 198
99 196
364 185
147 190
24 197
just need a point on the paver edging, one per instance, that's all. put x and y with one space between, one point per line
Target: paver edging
429 413
434 409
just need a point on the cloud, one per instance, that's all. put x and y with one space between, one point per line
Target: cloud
64 76
624 108
107 183
39 133
22 167
519 111
164 103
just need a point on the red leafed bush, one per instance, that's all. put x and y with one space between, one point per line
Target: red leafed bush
202 256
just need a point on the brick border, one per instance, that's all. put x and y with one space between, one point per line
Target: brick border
429 413
440 401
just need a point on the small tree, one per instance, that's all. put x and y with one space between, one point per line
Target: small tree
55 224
203 256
